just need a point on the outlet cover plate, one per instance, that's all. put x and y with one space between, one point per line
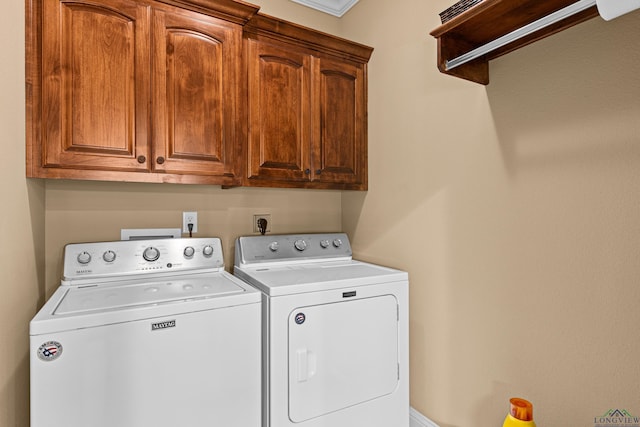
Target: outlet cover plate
256 217
189 217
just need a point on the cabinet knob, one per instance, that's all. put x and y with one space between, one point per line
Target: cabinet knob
141 159
160 160
318 171
307 171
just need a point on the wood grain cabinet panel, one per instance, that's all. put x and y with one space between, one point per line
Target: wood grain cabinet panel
279 113
340 154
95 86
196 77
135 90
307 94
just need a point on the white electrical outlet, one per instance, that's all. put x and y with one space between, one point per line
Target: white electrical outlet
257 217
189 218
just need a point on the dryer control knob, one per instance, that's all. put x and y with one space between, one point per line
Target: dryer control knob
324 244
300 245
84 258
109 256
151 254
273 246
207 251
337 243
188 252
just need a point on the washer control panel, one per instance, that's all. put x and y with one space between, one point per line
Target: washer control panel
130 257
288 247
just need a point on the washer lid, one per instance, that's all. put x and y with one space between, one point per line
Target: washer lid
87 306
97 298
319 276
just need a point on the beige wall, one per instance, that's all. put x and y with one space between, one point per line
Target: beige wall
79 211
513 207
21 227
516 210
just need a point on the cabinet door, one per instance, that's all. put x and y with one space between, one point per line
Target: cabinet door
279 113
196 67
95 85
340 147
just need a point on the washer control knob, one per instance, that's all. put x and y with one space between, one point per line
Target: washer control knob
207 251
84 257
300 245
324 244
109 256
151 254
273 246
337 243
189 251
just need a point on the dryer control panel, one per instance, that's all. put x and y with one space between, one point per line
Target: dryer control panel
292 247
137 257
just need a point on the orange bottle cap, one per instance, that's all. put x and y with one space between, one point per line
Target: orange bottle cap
521 409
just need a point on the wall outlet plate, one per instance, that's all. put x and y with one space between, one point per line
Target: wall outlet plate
189 218
257 217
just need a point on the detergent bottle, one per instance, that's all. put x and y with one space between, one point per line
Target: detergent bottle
520 414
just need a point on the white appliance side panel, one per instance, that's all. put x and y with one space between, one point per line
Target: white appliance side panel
205 371
341 354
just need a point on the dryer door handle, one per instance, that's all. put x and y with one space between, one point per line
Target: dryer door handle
306 364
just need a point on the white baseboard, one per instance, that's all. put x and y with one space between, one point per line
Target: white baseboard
416 419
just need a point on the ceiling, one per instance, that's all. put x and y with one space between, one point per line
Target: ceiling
332 7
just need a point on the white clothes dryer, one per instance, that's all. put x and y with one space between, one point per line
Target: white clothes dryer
147 334
335 332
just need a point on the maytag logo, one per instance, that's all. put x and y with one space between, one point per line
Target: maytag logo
163 325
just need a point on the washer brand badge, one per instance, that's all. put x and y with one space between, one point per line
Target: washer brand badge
300 318
163 325
50 351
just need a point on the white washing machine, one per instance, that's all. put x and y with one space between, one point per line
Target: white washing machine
335 332
147 334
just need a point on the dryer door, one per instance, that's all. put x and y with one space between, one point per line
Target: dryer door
341 354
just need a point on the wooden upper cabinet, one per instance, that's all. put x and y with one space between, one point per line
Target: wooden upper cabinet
135 90
279 113
191 91
307 94
196 71
95 87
